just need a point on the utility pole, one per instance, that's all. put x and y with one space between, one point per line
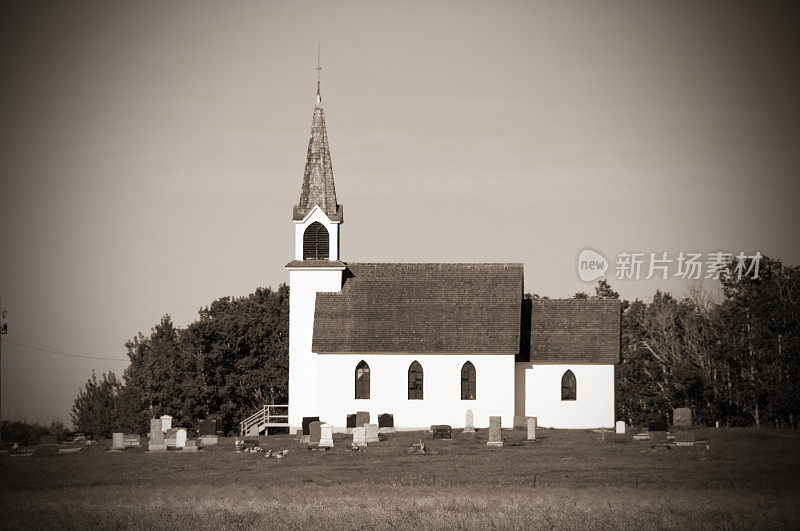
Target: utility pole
3 331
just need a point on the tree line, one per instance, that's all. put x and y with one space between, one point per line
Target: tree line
732 354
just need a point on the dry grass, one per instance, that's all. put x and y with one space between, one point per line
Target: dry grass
748 478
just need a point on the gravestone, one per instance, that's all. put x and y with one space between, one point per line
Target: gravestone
306 422
190 446
360 436
48 439
386 423
495 433
314 432
326 435
371 433
156 436
208 440
684 438
520 422
682 417
118 441
658 425
532 428
351 420
131 440
658 437
170 437
442 431
362 418
207 427
620 427
166 423
469 426
180 437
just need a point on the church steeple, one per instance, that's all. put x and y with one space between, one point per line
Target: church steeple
318 187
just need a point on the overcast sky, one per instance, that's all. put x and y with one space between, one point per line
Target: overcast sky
151 151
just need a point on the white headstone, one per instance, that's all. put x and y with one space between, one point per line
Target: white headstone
118 441
326 435
469 427
620 427
371 434
531 425
180 438
166 422
360 436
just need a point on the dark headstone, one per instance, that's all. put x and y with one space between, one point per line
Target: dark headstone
306 422
362 418
314 432
49 439
442 431
351 421
208 427
658 425
386 421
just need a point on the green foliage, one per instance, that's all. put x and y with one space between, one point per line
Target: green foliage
95 410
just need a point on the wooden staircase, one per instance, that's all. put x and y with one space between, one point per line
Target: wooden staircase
269 416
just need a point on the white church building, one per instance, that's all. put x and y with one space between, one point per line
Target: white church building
426 342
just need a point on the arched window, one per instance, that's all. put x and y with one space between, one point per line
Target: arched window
315 242
362 380
569 388
468 381
415 381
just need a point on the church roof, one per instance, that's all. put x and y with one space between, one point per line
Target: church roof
575 331
318 188
422 308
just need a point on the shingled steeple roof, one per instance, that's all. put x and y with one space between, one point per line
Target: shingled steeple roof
318 188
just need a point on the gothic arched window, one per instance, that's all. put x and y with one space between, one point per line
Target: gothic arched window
315 242
468 381
415 381
362 380
568 386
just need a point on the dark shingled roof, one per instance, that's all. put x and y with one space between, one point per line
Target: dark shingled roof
575 331
422 308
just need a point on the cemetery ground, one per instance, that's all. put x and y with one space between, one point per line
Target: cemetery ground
566 479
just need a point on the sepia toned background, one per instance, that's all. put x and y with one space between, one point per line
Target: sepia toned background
151 151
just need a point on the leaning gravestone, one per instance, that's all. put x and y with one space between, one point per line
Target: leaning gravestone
531 428
495 433
156 436
619 427
682 417
180 437
306 422
386 423
166 423
326 435
360 436
371 433
362 418
118 441
351 420
469 427
442 431
314 433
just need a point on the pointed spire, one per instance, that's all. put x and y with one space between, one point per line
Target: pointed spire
318 187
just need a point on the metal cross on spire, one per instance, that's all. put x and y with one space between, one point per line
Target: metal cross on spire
319 99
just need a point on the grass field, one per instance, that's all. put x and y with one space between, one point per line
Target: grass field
748 478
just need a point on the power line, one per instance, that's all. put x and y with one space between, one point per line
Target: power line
63 353
70 332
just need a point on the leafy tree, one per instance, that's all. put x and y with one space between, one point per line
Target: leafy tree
95 408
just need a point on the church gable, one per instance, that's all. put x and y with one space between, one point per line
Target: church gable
422 308
579 331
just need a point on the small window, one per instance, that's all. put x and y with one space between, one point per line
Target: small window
468 381
316 242
568 386
362 380
415 381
